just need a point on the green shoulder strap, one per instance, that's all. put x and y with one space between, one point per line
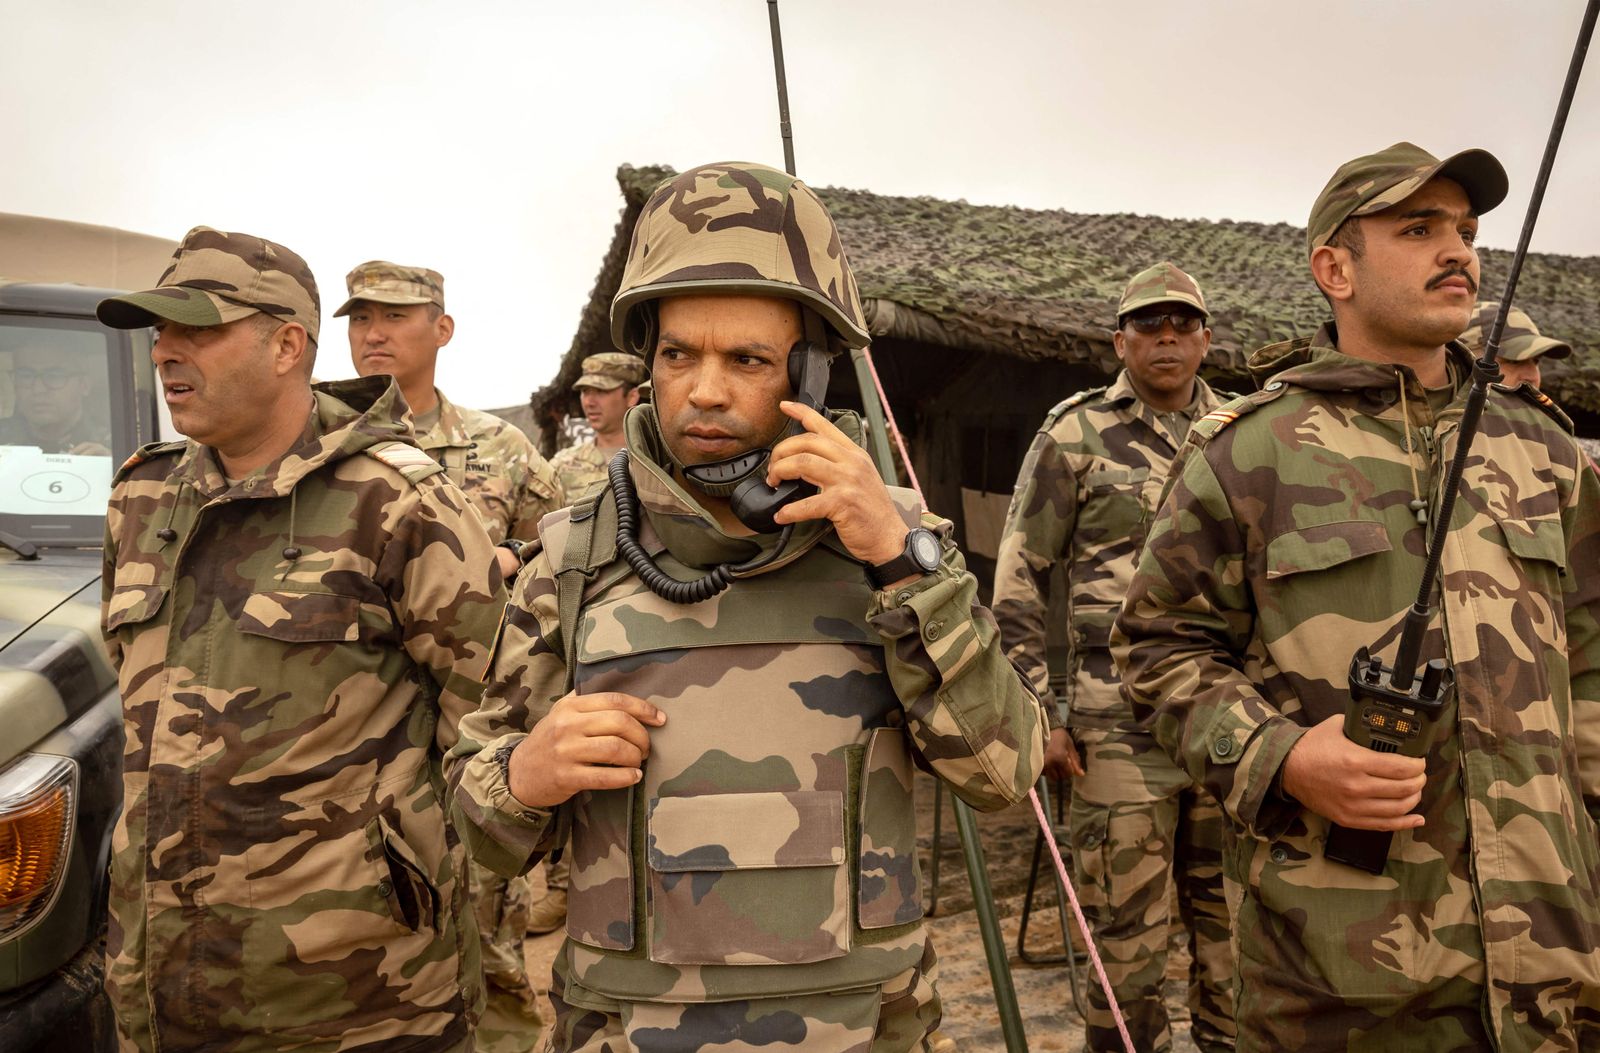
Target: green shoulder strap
591 544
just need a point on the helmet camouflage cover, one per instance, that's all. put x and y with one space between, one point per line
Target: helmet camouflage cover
735 227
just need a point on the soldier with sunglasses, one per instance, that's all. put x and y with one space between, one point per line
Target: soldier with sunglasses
1085 497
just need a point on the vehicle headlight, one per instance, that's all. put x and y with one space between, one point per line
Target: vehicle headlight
38 800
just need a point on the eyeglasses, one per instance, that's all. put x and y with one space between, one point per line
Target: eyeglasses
52 379
1182 322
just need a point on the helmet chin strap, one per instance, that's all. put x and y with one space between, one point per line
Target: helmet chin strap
722 478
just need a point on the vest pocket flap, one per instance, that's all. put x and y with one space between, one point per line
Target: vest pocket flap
890 891
746 831
748 879
1542 539
301 617
1324 545
132 604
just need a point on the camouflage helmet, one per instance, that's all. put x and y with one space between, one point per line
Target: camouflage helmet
735 227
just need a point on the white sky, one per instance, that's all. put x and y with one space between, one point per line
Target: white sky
480 138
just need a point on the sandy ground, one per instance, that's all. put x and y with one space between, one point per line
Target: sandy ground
1043 991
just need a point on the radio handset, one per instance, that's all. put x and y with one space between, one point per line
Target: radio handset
753 502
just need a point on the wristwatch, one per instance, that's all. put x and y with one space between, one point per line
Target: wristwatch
919 557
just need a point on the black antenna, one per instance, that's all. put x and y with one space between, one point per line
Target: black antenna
783 88
1485 371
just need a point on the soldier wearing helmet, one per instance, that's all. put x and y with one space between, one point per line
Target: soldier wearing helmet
725 717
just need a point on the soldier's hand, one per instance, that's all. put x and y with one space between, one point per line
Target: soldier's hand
1061 758
509 564
1352 785
585 742
851 494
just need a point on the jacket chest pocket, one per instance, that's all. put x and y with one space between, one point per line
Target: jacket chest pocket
1306 566
1112 504
297 616
748 878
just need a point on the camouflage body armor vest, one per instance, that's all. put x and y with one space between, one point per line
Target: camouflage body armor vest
774 825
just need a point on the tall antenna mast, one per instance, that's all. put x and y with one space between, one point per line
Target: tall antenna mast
783 88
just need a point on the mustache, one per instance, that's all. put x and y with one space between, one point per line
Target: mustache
718 421
1453 272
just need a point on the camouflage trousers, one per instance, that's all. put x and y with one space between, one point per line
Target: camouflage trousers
1138 825
511 1022
895 1017
557 874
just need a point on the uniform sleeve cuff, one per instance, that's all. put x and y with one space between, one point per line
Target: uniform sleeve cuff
1262 806
901 610
499 831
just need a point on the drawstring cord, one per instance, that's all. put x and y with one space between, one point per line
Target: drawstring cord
166 534
1418 506
290 552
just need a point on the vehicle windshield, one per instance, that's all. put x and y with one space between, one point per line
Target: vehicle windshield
57 450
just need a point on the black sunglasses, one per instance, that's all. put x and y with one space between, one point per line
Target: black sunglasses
1182 322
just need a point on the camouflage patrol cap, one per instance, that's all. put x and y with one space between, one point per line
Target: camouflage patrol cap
1163 283
380 281
735 227
1377 181
217 277
1520 341
610 370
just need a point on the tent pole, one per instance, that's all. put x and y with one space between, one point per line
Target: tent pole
877 426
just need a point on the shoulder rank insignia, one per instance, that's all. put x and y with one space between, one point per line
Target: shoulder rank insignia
1208 427
1071 402
406 459
147 452
1547 405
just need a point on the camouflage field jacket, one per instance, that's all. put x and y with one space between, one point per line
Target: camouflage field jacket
774 825
283 875
1285 544
581 467
1085 495
511 485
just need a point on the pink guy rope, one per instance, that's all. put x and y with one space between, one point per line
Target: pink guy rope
1033 795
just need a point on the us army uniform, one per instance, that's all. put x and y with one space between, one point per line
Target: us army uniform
1287 542
511 486
295 649
1085 496
493 463
760 885
582 466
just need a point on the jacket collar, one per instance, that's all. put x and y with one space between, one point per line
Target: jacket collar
345 418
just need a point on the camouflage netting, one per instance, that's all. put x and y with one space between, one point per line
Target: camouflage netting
1044 284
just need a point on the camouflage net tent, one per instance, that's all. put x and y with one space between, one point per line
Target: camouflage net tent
984 316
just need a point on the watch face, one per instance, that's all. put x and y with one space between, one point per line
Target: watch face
925 549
